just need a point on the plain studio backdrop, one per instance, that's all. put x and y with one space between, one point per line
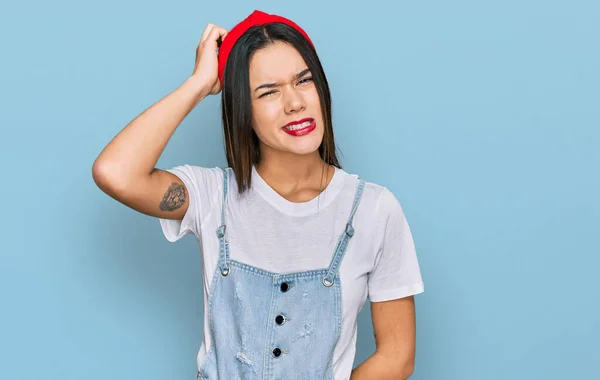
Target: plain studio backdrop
483 118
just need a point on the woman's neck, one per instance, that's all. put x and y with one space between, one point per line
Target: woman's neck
294 177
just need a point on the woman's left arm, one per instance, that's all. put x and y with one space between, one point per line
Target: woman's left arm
394 328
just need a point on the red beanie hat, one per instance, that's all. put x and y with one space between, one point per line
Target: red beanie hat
256 18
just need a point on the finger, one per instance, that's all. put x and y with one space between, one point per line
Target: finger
207 30
216 35
222 31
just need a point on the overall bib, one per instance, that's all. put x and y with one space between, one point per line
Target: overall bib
273 326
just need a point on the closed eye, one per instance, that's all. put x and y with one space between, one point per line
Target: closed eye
266 94
305 80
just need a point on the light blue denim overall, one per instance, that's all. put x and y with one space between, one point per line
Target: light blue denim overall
273 326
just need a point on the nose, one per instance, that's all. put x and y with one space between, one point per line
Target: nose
294 101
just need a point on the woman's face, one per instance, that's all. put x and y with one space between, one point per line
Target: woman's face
286 109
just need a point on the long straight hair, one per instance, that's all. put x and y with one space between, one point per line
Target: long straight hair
241 142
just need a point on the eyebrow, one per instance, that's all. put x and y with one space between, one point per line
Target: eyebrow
271 85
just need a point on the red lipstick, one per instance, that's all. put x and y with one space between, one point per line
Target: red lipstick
302 131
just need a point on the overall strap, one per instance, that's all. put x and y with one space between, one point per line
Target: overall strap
340 249
222 230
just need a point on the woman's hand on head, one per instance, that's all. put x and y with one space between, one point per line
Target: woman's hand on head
207 65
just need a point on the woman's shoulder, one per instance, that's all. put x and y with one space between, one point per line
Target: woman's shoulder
375 195
200 179
371 189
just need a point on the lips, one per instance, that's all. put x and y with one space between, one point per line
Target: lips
300 127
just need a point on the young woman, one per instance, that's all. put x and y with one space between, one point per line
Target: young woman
292 245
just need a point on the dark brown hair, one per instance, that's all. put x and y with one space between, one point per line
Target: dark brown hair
241 142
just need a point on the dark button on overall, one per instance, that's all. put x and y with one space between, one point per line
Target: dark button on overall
284 287
276 352
280 319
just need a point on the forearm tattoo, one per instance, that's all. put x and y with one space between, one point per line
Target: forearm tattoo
173 198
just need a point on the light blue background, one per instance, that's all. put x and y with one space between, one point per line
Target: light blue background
483 118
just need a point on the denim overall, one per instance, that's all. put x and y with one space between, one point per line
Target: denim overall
274 326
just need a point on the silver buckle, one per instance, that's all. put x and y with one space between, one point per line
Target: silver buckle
225 271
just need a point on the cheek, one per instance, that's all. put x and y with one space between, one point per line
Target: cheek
265 116
313 100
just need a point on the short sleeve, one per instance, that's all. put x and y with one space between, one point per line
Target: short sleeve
396 273
203 186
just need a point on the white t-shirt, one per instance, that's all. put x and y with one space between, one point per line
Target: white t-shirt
267 231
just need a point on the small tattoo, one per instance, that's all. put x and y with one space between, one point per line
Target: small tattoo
173 198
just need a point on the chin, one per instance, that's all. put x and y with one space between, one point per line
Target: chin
304 146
